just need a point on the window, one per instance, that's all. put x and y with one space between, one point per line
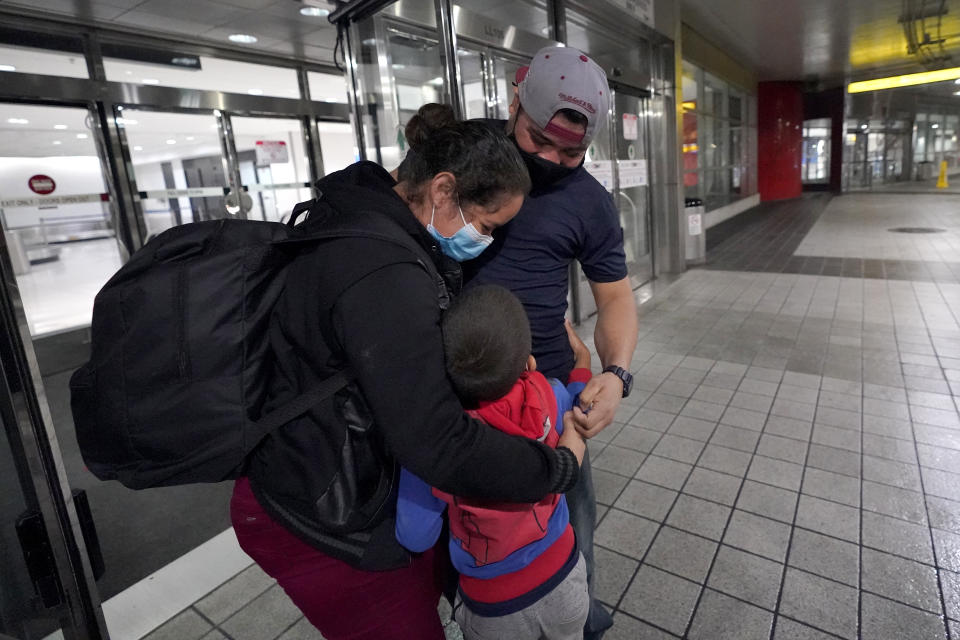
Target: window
43 62
719 139
815 167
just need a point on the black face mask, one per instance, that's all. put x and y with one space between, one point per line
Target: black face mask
543 173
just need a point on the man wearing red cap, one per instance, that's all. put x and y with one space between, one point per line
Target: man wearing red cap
560 105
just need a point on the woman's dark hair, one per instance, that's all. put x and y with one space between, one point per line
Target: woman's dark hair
486 342
484 161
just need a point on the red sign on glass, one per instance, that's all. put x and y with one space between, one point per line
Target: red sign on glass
41 184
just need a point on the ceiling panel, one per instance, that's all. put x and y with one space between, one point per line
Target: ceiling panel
809 39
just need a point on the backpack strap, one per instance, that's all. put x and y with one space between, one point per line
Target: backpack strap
298 406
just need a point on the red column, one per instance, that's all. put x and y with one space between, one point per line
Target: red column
779 139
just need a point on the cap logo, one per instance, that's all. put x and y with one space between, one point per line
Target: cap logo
578 101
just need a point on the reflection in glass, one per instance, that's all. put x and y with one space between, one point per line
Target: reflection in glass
273 165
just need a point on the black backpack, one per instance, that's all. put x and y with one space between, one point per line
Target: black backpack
181 358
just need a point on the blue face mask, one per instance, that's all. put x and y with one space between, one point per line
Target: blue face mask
465 244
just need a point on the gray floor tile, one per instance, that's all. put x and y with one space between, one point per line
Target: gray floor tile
820 602
802 380
831 518
646 500
889 427
825 556
677 448
303 630
833 400
752 401
941 483
886 408
216 634
846 387
651 419
746 576
831 486
765 374
636 438
697 364
234 594
608 485
625 533
759 535
951 593
722 618
716 395
723 459
765 500
897 474
759 387
789 428
713 485
682 553
935 417
187 625
722 380
776 472
794 393
679 388
788 629
692 428
932 400
939 458
744 418
665 402
735 438
948 549
612 575
931 385
627 628
839 418
781 448
698 516
619 460
836 437
881 392
796 410
265 618
897 537
900 579
944 514
664 472
937 436
703 410
890 448
893 501
661 599
884 619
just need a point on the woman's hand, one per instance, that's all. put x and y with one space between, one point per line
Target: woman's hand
571 439
581 354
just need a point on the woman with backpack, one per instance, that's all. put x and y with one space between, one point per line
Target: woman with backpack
316 506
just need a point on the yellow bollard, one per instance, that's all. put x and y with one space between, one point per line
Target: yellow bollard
942 180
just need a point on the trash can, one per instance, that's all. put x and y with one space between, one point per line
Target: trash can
696 252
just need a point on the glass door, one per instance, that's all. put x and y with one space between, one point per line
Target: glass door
273 164
633 183
178 166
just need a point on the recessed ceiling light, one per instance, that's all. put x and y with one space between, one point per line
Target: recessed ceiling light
150 81
956 93
255 92
399 66
7 67
190 138
138 148
128 72
314 12
18 121
242 38
171 141
57 142
935 126
59 126
126 121
81 136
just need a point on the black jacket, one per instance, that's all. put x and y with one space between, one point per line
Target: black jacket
381 311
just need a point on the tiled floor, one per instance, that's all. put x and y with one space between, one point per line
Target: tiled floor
788 466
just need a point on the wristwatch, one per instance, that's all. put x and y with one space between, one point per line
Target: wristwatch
624 376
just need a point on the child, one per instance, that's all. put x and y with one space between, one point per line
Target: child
521 573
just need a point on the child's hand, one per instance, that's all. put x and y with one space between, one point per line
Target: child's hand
571 439
581 354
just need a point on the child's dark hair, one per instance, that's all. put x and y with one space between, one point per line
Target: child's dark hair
486 339
484 161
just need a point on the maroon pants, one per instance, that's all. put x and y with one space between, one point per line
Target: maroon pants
342 602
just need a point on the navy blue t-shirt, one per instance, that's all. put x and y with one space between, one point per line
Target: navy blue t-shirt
572 219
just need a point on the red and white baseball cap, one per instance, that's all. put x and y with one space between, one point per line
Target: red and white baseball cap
564 78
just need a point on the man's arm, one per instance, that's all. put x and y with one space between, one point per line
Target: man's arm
616 338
